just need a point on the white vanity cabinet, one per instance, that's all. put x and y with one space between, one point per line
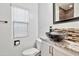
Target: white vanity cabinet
50 49
46 49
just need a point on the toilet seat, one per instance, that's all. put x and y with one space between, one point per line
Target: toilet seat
31 52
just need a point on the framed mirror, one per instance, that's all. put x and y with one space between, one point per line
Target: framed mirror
64 12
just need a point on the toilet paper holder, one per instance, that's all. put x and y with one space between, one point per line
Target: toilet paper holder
16 42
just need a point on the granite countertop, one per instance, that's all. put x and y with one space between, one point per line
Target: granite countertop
60 45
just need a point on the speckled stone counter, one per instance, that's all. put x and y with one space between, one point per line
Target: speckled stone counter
60 46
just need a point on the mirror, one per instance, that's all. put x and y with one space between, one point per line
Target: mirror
63 12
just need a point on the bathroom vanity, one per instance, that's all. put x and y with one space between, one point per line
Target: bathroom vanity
51 48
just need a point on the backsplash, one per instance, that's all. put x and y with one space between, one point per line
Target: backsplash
72 33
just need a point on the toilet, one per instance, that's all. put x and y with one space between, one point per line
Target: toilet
33 51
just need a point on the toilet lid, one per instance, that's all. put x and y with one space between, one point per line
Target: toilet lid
31 52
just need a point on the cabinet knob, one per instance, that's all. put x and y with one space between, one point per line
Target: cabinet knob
51 50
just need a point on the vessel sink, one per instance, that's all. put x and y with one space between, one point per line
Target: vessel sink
55 36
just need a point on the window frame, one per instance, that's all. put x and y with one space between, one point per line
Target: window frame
22 22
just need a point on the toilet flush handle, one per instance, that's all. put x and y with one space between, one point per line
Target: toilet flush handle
3 21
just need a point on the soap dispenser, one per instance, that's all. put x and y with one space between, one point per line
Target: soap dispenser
50 29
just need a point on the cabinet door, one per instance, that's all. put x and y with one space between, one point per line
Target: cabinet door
46 49
56 52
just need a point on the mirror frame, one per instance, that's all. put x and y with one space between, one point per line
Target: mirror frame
69 20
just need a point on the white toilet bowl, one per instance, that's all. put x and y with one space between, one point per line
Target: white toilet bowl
33 51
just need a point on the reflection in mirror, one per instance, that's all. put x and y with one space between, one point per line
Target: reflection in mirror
65 11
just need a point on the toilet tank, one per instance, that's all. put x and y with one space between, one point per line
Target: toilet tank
38 43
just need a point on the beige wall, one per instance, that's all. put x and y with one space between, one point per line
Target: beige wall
29 41
6 40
